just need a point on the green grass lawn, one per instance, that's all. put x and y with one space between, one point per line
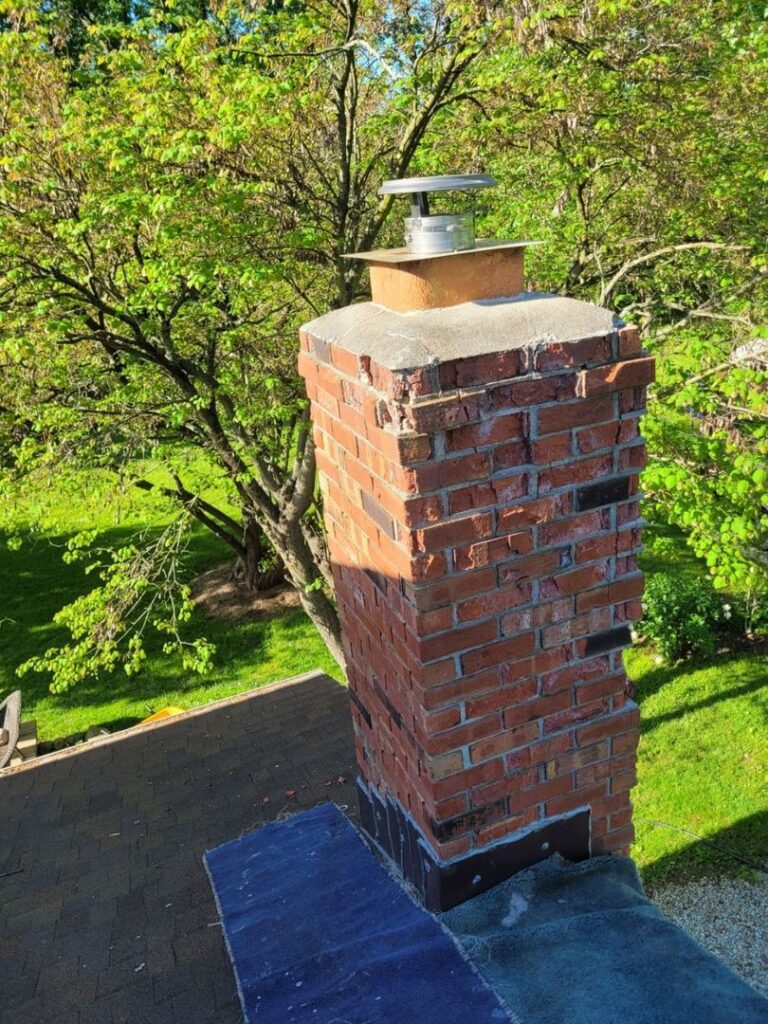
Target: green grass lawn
36 582
703 764
704 750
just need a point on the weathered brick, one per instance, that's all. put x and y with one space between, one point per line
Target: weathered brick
482 369
553 418
495 654
556 355
617 376
534 391
493 493
473 556
488 432
448 534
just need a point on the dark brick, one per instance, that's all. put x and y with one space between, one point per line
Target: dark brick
602 493
607 641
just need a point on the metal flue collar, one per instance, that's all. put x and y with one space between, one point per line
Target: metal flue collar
426 234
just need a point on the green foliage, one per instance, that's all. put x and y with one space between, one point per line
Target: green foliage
178 186
140 588
249 653
681 614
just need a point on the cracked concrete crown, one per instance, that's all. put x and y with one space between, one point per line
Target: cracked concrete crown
405 341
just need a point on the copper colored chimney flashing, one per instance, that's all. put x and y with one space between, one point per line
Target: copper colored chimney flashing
404 283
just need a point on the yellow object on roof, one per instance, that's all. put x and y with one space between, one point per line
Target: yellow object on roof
163 713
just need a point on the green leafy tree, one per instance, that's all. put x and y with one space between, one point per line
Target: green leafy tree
169 214
627 137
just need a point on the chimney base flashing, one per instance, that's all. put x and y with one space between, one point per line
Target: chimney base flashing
441 885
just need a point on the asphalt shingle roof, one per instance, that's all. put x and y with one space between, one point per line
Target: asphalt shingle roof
107 915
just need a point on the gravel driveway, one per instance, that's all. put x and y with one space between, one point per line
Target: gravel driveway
729 917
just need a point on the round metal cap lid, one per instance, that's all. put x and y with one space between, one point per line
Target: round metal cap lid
436 183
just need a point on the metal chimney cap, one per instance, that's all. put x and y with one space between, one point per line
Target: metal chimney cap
436 183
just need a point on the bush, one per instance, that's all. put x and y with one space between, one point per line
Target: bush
682 614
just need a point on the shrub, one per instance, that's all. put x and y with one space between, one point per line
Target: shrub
682 614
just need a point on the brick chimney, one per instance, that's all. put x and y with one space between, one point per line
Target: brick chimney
479 468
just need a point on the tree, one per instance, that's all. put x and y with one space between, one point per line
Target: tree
625 137
169 213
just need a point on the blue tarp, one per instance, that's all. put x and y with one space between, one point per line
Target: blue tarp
318 932
580 944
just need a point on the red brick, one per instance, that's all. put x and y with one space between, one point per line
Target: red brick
428 723
442 413
554 418
483 369
628 512
635 457
466 780
433 476
461 735
629 342
493 603
460 689
576 581
610 544
495 492
534 391
511 456
575 715
615 842
347 362
551 449
503 743
491 833
487 432
540 793
495 654
551 748
488 552
545 614
453 588
601 688
448 534
579 798
567 762
554 356
632 400
607 435
531 567
575 528
457 640
534 710
622 590
530 513
502 698
625 741
611 726
579 471
618 376
517 622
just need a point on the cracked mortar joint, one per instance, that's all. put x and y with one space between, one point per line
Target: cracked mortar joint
408 341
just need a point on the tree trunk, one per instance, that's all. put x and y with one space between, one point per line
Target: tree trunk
258 568
296 553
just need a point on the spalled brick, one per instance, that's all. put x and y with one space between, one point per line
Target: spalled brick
483 525
552 419
615 377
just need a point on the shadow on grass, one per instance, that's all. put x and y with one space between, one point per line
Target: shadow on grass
650 685
739 850
37 583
